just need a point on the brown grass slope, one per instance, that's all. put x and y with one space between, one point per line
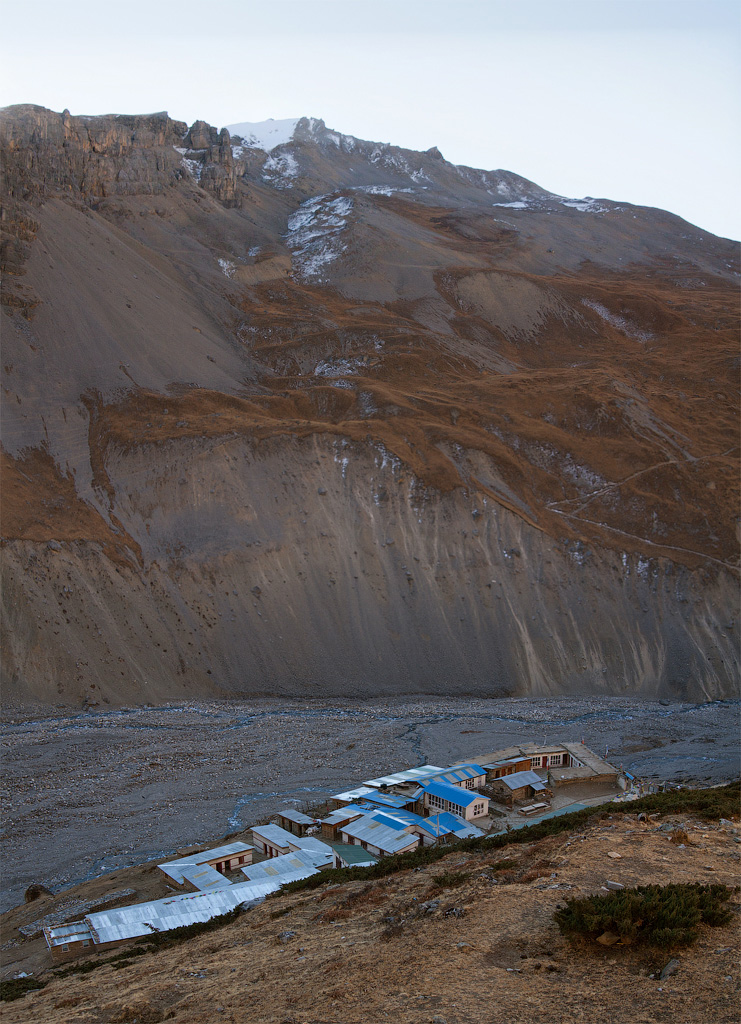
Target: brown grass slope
467 939
575 370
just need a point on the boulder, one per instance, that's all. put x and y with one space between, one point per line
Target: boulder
35 891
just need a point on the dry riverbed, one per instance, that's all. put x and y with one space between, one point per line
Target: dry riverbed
86 793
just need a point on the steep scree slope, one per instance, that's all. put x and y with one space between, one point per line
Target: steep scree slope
343 418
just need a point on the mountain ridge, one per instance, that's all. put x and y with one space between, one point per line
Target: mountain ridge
189 328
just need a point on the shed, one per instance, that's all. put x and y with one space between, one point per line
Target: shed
347 856
272 840
221 858
339 817
520 786
295 821
67 941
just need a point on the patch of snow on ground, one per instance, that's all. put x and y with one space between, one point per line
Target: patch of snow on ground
586 205
338 367
518 204
265 135
227 267
280 170
193 167
380 190
237 152
254 251
620 322
314 230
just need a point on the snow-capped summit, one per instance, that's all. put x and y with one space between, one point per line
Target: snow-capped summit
265 135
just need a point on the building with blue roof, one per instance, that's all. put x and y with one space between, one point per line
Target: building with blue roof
441 796
467 776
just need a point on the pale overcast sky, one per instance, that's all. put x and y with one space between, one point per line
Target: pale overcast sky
633 100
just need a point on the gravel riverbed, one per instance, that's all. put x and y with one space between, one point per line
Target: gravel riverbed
87 792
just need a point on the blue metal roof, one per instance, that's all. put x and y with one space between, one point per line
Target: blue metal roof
453 794
460 772
385 799
398 820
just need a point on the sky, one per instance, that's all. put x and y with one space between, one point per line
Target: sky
633 100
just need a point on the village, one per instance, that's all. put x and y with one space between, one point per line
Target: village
392 814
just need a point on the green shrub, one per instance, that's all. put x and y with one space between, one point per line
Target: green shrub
657 915
14 988
450 879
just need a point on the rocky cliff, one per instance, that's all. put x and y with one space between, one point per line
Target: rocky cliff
327 416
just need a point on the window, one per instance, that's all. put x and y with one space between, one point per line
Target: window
65 947
555 759
86 942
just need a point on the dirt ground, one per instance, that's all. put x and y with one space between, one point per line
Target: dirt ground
488 951
86 795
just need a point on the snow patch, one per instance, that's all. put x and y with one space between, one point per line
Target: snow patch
265 135
622 323
193 167
516 205
280 171
338 367
380 190
227 267
314 230
586 205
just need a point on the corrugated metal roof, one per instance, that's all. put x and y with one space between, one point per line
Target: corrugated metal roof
174 912
453 794
386 799
390 820
296 816
204 877
381 836
274 834
361 793
408 775
174 868
520 779
299 864
343 814
77 931
469 770
314 846
368 794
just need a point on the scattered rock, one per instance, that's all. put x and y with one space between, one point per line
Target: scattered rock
615 856
671 968
286 936
616 886
608 939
